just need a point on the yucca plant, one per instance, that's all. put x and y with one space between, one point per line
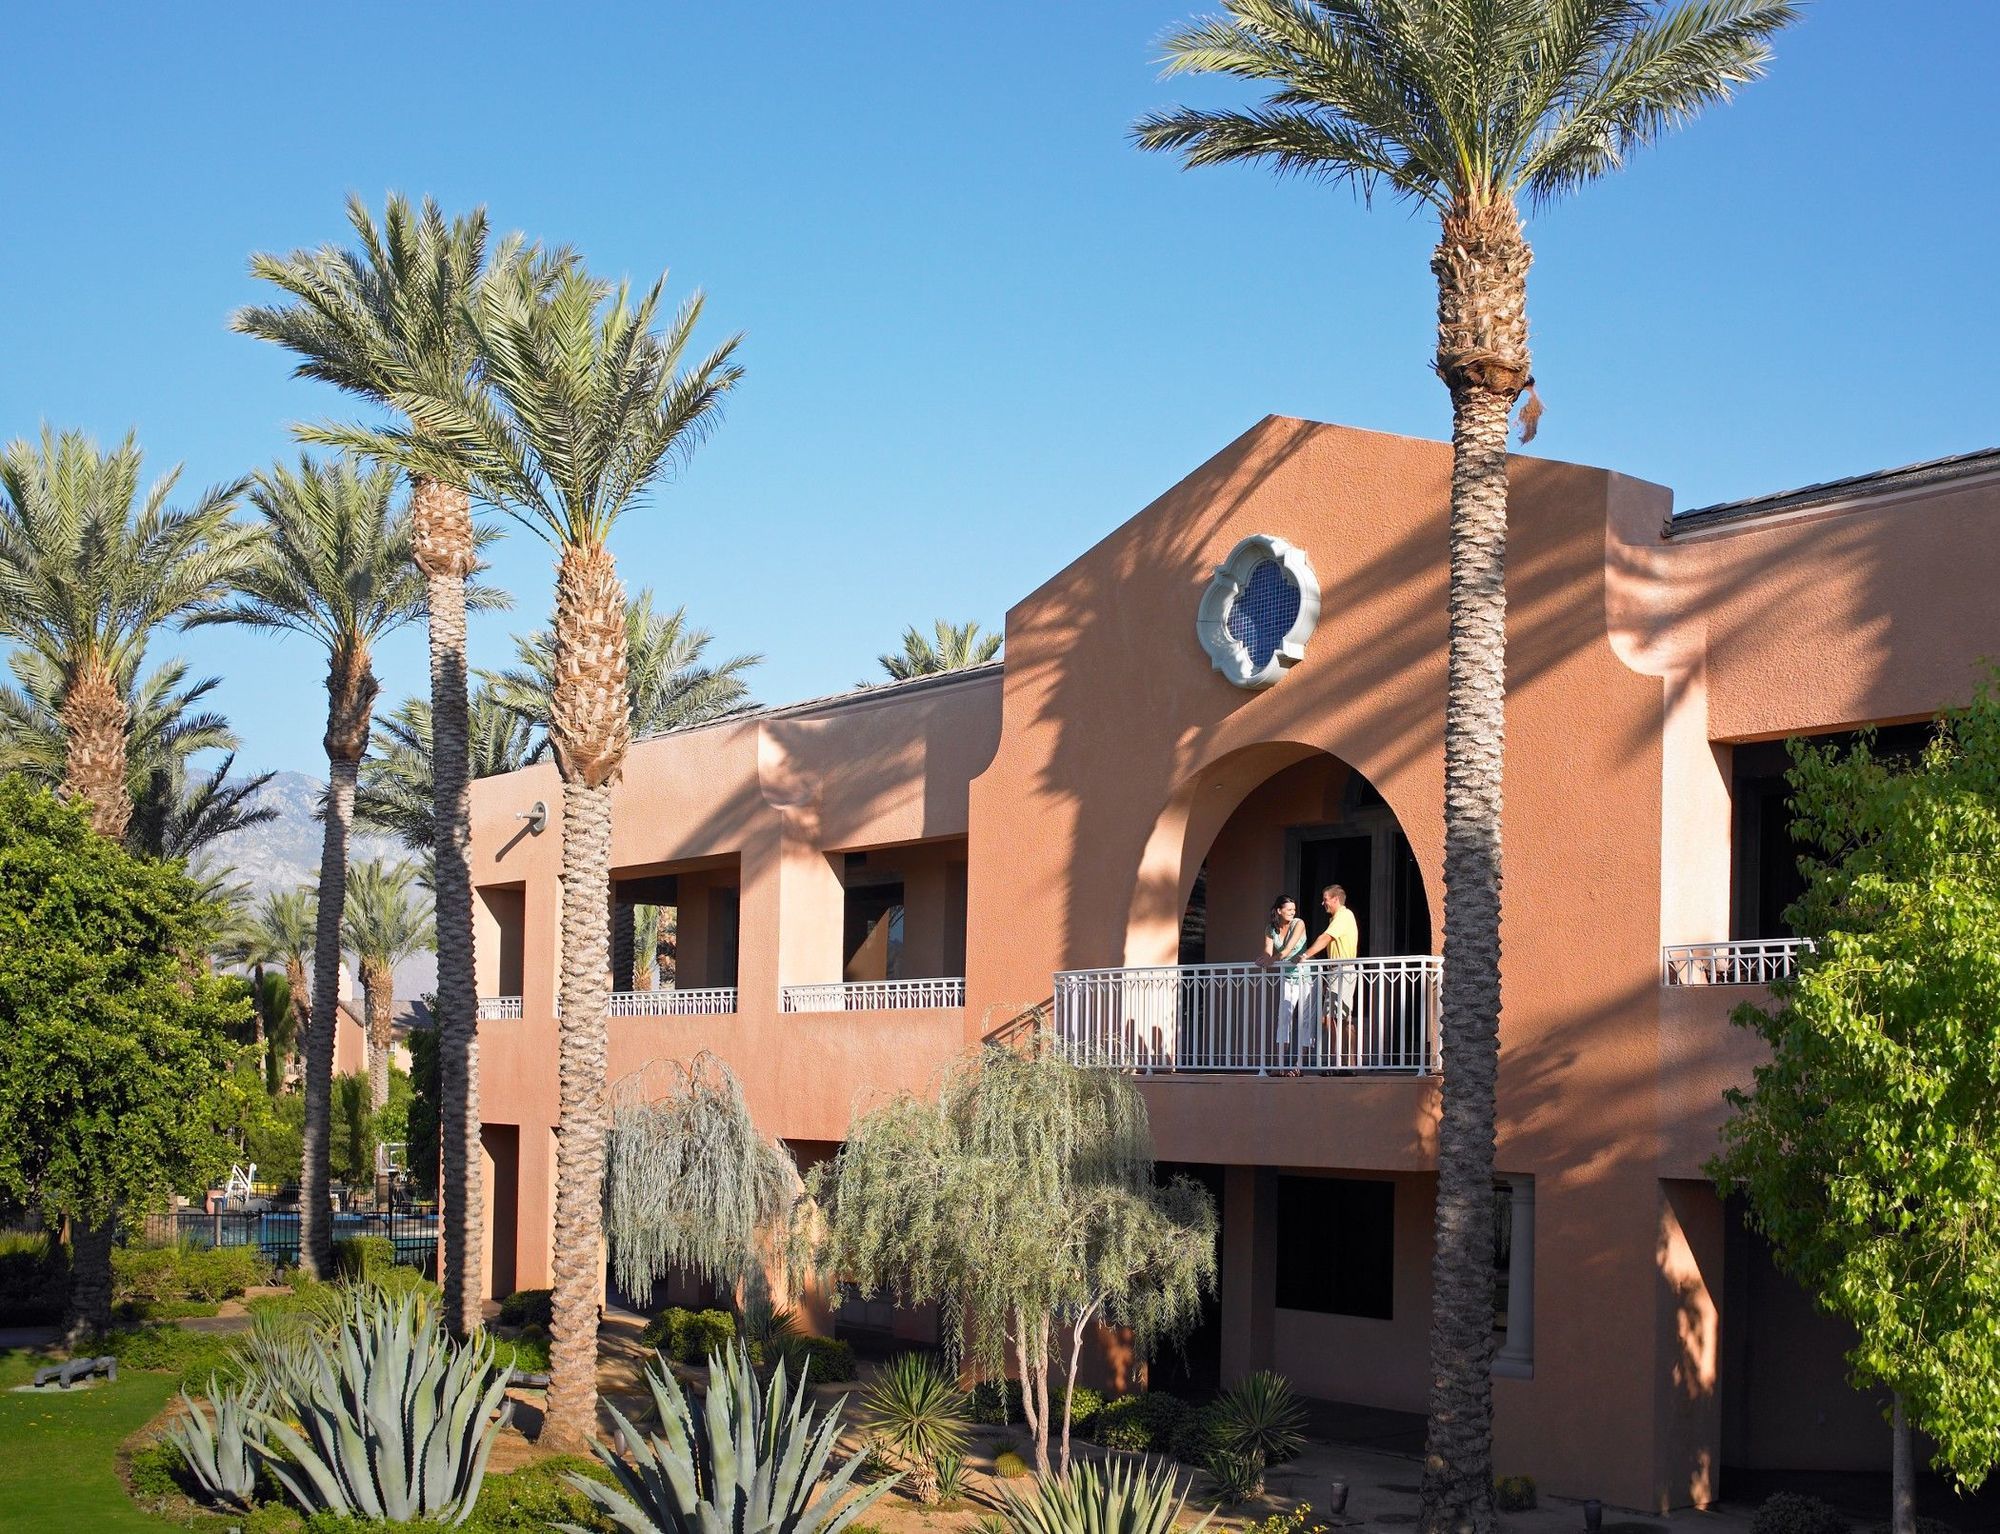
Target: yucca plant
1134 1497
1261 1416
744 1463
221 1454
279 1354
918 1409
395 1421
1235 1478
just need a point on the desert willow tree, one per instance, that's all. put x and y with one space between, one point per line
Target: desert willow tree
1023 1202
1472 108
388 920
579 408
332 565
88 572
387 321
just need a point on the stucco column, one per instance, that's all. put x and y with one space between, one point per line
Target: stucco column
1517 1357
791 911
1249 1269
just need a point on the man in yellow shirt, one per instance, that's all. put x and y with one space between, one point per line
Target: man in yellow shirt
1340 940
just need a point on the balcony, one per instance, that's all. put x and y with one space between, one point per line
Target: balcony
705 1001
874 996
1339 1017
493 1009
1760 961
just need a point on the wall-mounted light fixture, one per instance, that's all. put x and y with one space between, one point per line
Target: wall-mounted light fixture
537 818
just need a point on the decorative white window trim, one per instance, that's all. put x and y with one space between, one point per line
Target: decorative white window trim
1231 657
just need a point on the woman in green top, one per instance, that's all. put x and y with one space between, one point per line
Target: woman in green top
1284 941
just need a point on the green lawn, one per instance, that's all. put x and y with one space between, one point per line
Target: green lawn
58 1469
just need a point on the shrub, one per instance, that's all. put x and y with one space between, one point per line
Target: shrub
995 1401
529 1307
363 1257
1009 1466
1262 1416
194 1356
536 1497
1298 1521
157 1277
689 1336
1202 1435
528 1353
1514 1493
1147 1423
156 1471
1791 1512
1084 1405
824 1360
34 1279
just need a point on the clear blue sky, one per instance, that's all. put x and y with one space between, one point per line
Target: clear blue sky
982 329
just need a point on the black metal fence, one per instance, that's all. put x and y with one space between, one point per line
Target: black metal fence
275 1233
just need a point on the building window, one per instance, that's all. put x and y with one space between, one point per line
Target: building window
1259 610
1337 1246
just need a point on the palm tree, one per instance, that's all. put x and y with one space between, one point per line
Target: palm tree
388 322
332 564
954 647
387 922
176 812
282 931
582 407
398 791
668 685
1470 107
86 576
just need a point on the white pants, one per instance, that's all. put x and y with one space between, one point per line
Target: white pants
1294 1018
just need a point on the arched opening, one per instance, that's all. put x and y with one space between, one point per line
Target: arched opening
1351 984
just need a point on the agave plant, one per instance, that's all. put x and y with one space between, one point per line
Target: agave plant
745 1463
1136 1497
395 1421
279 1355
221 1454
919 1410
1262 1417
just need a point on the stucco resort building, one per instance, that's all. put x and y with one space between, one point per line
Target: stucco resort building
1238 693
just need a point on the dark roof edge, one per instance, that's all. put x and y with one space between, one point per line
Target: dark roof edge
867 692
1915 476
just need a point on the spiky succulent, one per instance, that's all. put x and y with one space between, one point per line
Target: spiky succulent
740 1462
1131 1498
221 1453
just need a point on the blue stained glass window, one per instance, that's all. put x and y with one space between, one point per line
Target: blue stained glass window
1264 611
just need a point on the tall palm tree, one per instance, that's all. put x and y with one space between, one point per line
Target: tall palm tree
668 685
388 322
283 929
388 920
332 565
398 790
952 647
88 571
582 406
1470 107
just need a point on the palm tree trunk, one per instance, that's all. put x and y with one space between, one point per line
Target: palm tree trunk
441 535
95 720
1481 265
295 980
590 726
89 1311
586 954
378 984
351 689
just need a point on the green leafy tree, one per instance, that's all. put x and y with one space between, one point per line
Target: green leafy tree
1869 1147
1023 1200
115 1050
579 409
1470 108
951 647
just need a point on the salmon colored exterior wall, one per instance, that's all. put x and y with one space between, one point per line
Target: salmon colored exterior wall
1090 778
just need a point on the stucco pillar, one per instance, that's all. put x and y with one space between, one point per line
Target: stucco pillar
1249 1269
791 910
1516 1358
924 915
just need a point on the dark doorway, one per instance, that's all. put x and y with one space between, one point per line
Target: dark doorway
1346 860
1194 1366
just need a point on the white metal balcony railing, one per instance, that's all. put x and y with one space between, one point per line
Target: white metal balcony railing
874 996
1346 1015
704 1001
1759 961
494 1008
